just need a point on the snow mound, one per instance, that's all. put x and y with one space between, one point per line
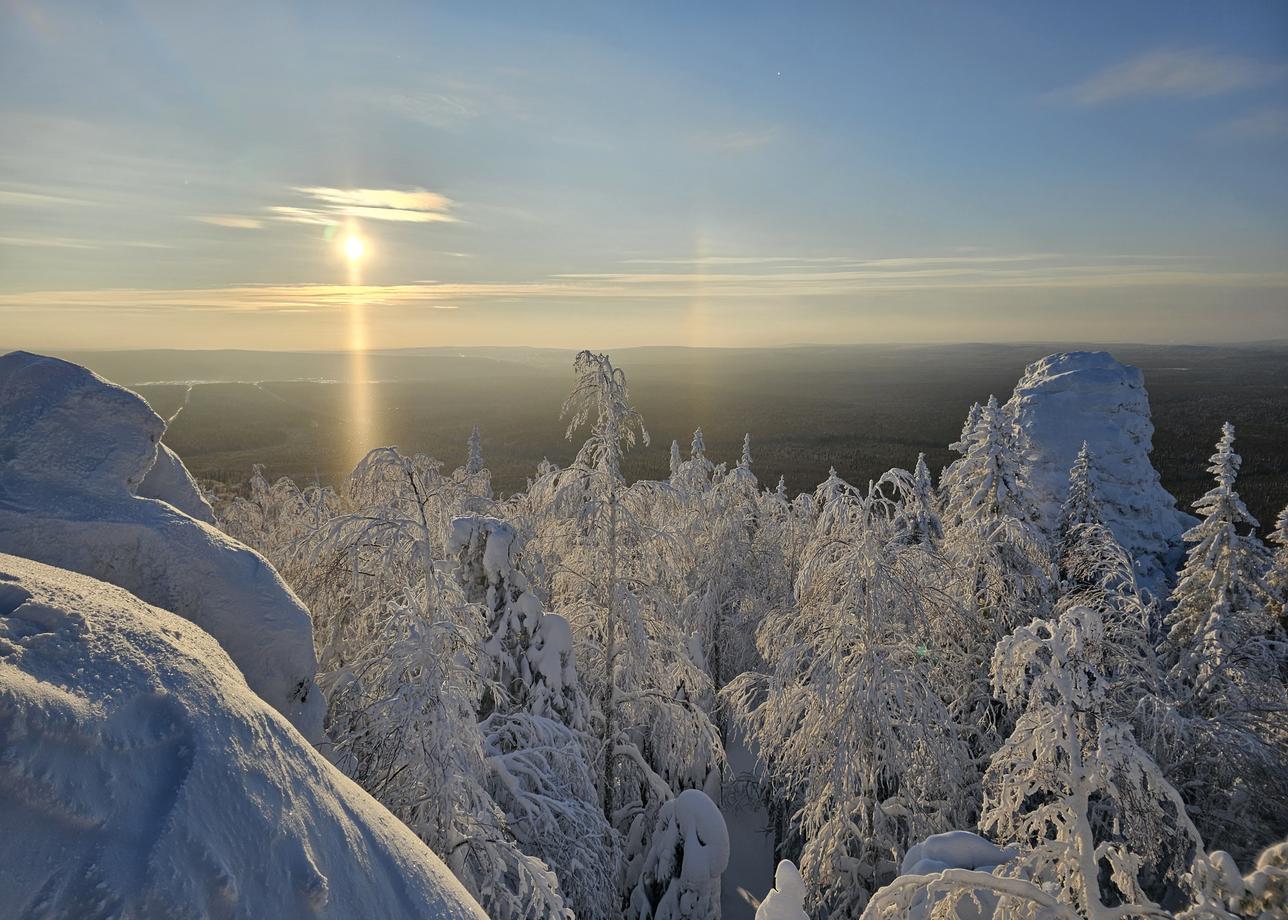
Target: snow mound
142 778
169 481
1068 398
73 449
953 855
786 900
954 850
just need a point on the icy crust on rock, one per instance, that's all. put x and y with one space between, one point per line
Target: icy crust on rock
1068 398
140 777
73 448
169 481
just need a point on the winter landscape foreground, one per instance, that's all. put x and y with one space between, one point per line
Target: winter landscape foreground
1028 686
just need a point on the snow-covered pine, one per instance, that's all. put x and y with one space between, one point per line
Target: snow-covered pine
1001 573
919 520
688 851
1218 643
676 460
1081 506
474 460
534 665
1277 578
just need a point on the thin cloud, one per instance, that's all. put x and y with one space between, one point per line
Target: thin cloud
1259 125
231 221
25 196
1190 74
736 141
1106 274
415 205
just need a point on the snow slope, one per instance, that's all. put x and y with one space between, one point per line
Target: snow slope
1065 399
73 450
139 776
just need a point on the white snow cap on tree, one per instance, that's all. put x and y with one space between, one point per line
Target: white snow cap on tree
676 460
1068 399
786 900
688 852
745 462
75 450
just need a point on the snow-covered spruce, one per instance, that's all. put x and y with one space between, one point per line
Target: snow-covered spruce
142 777
688 850
77 449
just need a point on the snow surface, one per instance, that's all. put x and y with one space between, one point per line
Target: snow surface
73 449
751 856
169 481
141 777
1068 398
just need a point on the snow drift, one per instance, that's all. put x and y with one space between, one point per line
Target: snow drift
1068 398
141 777
78 455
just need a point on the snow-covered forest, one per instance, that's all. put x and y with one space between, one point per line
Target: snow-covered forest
1023 686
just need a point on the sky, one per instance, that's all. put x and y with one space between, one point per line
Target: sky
606 174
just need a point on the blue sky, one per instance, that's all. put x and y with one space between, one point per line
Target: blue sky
609 174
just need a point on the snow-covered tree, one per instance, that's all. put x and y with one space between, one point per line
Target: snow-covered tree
1218 643
474 460
1098 824
870 777
918 519
1082 505
688 851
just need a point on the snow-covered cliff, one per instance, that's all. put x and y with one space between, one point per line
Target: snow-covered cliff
1068 398
141 777
74 451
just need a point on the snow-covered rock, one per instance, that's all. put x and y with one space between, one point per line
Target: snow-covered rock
73 451
1068 398
140 777
169 481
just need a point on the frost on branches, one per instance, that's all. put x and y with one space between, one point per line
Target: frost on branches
540 687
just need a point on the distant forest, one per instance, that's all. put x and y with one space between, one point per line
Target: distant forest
861 409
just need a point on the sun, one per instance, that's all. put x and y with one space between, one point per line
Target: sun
354 248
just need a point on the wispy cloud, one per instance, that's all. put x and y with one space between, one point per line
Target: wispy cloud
736 141
65 242
1258 125
1192 74
232 221
877 276
333 205
29 196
